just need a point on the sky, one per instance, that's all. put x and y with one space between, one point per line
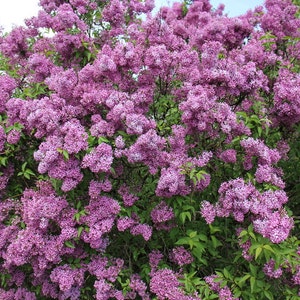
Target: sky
13 12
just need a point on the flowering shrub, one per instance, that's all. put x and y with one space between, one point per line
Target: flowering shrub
150 156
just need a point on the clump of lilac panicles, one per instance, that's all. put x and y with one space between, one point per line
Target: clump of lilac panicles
13 136
144 230
161 216
223 292
244 245
240 199
128 198
100 218
181 256
269 269
139 287
165 285
8 84
228 156
112 125
66 277
99 160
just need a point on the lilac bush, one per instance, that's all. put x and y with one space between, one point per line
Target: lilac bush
150 156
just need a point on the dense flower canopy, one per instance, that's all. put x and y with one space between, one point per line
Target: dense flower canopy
136 149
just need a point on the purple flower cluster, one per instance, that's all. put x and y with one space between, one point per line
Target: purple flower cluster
257 148
244 245
228 156
181 256
216 285
201 110
101 213
106 273
171 182
136 228
241 199
139 287
161 216
18 294
66 277
165 285
100 159
112 125
155 257
286 102
7 85
128 198
148 149
269 269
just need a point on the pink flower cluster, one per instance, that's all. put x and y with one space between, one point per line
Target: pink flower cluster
112 125
216 285
242 200
181 256
162 215
164 283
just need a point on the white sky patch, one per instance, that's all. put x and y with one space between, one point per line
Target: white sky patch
14 12
235 7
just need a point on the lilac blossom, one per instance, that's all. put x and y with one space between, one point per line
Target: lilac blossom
216 285
228 156
13 136
144 230
269 269
7 85
181 256
66 277
99 160
170 94
162 215
128 198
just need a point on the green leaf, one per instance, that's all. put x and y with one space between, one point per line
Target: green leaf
258 252
69 244
253 269
29 172
24 166
183 241
79 231
268 295
243 233
184 215
216 243
78 205
268 247
191 243
252 235
197 252
22 225
102 139
259 130
252 283
202 237
227 275
199 245
26 175
64 153
214 229
77 217
192 234
244 278
3 161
